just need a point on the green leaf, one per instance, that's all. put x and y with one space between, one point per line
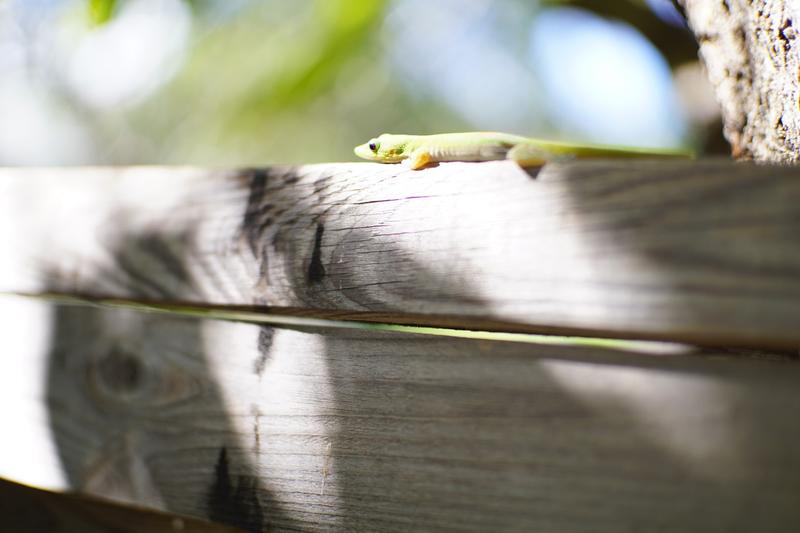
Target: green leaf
100 11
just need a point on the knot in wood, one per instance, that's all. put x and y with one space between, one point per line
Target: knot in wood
119 373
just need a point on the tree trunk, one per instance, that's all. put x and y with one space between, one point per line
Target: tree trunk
750 50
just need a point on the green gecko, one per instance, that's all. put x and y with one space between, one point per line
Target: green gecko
421 150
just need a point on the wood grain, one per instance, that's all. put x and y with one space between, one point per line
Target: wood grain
698 251
279 429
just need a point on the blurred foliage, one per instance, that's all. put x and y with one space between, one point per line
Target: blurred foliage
676 43
260 81
100 11
342 28
287 89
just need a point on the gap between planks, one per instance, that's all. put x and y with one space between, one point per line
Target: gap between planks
422 325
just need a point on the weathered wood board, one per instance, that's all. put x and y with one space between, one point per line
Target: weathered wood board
30 510
351 430
700 251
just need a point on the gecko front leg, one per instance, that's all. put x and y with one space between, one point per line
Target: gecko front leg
419 159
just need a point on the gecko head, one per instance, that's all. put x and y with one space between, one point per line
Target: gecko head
386 148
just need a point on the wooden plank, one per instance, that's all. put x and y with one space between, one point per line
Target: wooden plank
281 429
698 251
30 510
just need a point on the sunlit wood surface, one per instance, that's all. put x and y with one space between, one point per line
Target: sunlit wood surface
702 251
316 428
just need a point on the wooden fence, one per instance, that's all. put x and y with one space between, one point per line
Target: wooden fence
311 414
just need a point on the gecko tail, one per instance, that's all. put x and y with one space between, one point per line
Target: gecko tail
539 152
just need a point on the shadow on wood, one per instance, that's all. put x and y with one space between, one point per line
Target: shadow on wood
130 393
277 428
702 252
271 428
695 239
356 430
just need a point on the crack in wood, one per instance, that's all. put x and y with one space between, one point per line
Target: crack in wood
265 336
251 226
316 270
234 504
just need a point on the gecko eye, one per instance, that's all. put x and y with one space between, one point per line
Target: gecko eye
373 146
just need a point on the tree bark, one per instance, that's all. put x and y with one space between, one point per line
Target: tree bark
750 51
